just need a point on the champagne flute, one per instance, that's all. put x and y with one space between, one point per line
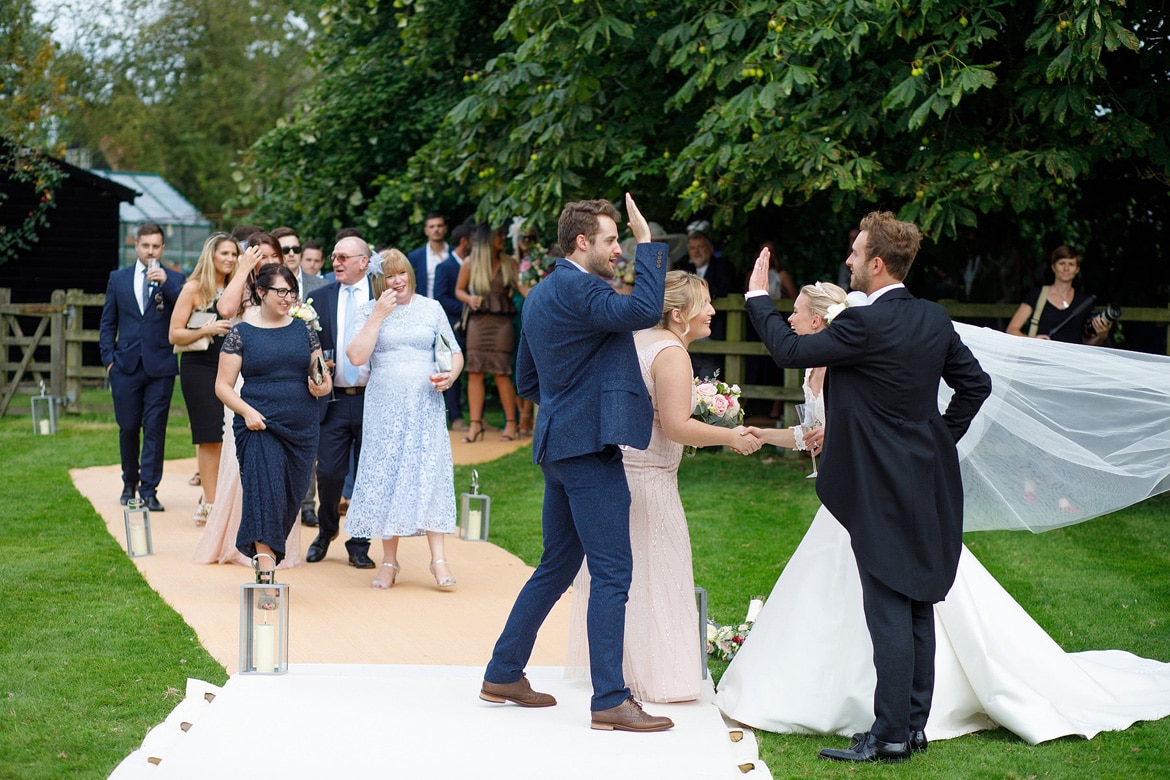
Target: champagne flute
808 421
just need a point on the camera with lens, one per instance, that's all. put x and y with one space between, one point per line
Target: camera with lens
1111 314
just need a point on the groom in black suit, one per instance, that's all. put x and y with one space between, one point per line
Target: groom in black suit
890 469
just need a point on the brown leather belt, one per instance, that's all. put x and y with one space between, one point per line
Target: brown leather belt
350 390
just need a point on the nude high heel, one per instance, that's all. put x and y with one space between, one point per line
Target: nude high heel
379 584
442 582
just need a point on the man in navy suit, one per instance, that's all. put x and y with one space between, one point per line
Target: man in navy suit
446 275
140 361
341 418
890 468
426 258
578 362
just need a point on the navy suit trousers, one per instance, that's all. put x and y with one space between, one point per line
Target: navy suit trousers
141 404
340 430
586 515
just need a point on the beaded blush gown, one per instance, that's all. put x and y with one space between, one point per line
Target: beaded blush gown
662 662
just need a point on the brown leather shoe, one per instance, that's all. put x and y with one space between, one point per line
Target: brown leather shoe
519 692
628 716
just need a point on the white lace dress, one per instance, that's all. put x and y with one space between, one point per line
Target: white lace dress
807 666
405 482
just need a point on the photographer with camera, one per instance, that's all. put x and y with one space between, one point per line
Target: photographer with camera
1059 312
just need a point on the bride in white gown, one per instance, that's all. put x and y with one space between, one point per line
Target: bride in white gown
807 665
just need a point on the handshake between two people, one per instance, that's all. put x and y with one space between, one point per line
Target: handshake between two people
749 438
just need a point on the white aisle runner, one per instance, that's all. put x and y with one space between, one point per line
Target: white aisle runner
401 721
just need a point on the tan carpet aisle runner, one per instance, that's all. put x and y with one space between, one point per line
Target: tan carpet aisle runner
385 680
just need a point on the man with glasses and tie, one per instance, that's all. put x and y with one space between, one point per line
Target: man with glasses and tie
140 361
341 417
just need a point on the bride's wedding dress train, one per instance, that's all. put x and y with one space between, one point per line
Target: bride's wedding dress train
1090 425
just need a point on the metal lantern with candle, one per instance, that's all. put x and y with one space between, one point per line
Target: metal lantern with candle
474 513
138 541
264 621
44 413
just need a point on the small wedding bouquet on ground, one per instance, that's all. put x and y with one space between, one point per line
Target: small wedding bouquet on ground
305 311
724 641
536 266
716 403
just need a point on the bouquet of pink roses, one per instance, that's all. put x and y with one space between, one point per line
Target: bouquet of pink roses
716 403
623 271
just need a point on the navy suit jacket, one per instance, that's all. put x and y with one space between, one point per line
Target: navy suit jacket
577 359
129 338
325 304
446 275
889 472
418 259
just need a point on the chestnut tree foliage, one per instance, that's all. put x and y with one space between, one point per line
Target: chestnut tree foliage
987 123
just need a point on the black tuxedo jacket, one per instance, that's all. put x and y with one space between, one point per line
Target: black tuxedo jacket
890 468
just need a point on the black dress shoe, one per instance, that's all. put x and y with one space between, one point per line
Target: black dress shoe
152 504
918 740
309 518
870 748
318 548
127 494
359 558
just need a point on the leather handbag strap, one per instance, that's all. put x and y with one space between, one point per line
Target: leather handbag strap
1034 323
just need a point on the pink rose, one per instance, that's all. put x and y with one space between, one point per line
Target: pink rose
732 408
706 391
525 265
719 405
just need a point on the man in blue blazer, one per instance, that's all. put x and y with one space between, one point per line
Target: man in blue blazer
577 361
140 361
426 258
890 468
341 417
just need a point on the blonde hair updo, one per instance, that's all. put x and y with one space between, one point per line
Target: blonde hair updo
686 292
821 296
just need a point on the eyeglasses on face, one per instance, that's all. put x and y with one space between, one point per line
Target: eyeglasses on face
335 257
281 292
291 250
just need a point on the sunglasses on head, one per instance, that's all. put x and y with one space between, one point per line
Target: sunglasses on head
291 250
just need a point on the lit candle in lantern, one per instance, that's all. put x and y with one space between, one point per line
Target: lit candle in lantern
264 648
137 539
474 523
44 426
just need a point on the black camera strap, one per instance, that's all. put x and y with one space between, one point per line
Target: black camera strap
1078 313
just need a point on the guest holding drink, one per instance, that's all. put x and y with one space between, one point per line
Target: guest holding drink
195 321
405 480
275 428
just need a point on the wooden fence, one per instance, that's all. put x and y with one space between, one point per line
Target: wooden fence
45 342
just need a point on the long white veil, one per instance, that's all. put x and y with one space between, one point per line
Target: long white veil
1069 433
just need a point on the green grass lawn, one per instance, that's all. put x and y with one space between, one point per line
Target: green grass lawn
91 657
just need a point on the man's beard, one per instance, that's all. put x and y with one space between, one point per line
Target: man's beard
599 264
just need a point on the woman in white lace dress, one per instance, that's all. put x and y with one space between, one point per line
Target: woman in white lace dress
405 483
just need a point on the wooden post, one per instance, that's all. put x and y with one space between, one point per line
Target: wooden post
57 345
72 364
733 365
